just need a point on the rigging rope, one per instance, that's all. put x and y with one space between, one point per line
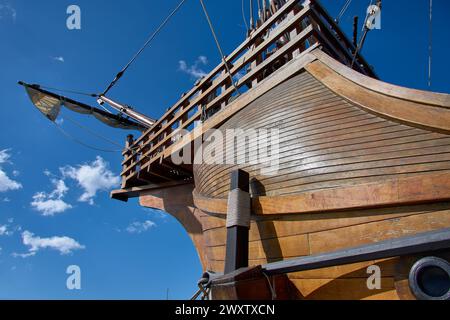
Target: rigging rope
92 132
343 10
243 16
92 95
70 137
430 45
150 39
219 47
364 35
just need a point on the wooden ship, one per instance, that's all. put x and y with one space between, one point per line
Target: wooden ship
363 177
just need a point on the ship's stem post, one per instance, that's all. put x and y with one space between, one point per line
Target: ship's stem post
238 222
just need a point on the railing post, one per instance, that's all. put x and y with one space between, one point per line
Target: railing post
238 222
128 152
295 31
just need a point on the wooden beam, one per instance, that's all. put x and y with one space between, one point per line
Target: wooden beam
420 96
418 189
421 243
426 116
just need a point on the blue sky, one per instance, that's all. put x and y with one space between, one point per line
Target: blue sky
125 251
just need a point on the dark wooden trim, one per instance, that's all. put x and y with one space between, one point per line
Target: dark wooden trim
424 242
135 192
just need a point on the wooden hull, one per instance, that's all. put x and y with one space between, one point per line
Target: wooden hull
360 162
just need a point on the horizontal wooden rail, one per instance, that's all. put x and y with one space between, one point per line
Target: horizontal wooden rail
418 244
401 191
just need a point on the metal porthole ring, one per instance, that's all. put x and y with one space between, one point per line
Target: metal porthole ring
430 269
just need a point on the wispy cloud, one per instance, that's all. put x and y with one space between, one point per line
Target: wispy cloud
8 229
140 227
4 231
64 245
52 203
92 178
59 59
157 214
7 11
6 183
195 70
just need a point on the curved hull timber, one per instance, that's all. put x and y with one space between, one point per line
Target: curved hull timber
361 161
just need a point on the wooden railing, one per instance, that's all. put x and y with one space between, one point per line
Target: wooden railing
291 31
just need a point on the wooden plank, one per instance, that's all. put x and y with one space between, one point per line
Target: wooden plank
353 236
125 194
291 68
290 225
229 59
244 60
230 90
421 115
287 247
351 271
344 289
420 96
399 191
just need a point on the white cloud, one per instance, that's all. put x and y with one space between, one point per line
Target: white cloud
8 230
157 214
6 183
92 178
59 59
4 156
4 231
64 245
60 189
194 70
49 207
7 11
140 227
52 203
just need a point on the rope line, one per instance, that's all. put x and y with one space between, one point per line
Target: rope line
72 138
92 95
243 16
219 47
92 132
343 10
430 45
365 31
149 40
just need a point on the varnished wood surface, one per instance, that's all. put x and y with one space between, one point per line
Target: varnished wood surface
427 115
293 236
420 96
325 142
301 235
350 174
401 190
